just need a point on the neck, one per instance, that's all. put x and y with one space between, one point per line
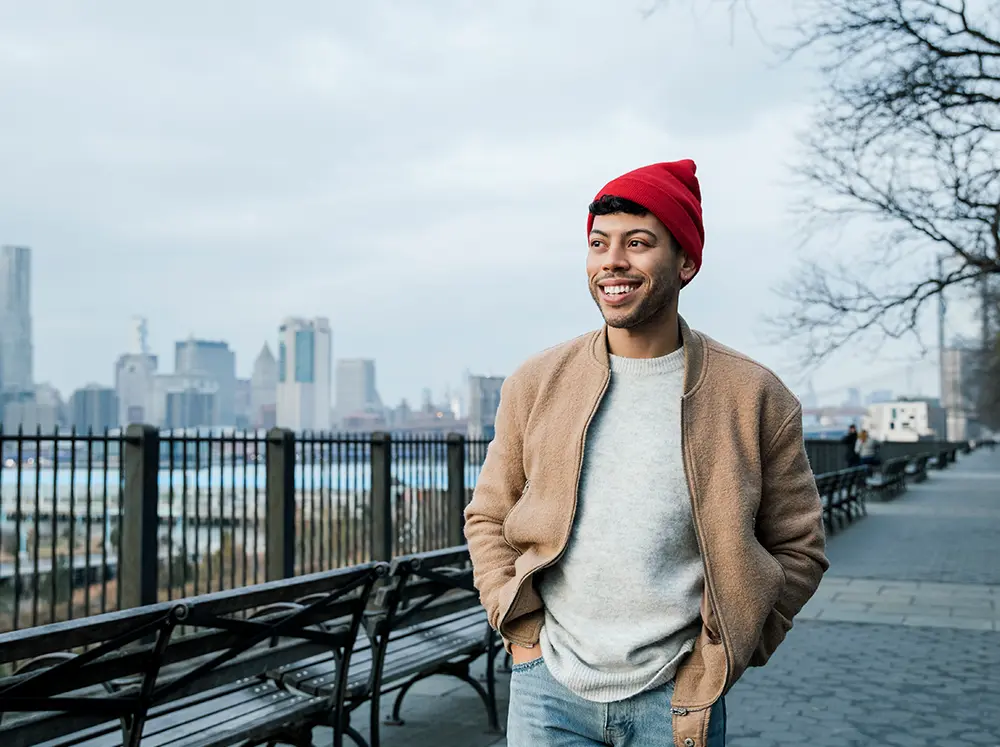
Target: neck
652 339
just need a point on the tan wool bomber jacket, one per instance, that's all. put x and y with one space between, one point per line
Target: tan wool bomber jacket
757 513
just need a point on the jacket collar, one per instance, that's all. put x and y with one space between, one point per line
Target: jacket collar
695 352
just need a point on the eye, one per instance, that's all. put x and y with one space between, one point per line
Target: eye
636 243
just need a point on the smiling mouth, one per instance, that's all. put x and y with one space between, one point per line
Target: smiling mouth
618 292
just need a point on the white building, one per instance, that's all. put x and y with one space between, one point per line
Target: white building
905 420
135 374
305 374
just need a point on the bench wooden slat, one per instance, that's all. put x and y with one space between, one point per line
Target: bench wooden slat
28 643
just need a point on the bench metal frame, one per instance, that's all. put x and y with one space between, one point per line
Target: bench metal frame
140 663
892 478
843 496
427 588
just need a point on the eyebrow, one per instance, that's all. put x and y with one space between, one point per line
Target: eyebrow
630 232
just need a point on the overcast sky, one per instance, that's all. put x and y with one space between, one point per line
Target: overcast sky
417 172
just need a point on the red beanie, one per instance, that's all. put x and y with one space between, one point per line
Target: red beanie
669 191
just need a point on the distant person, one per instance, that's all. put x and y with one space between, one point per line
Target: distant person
867 450
646 524
849 441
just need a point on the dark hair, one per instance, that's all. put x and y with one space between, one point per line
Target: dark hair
609 204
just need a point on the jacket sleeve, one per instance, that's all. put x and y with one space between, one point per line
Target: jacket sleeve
790 527
499 486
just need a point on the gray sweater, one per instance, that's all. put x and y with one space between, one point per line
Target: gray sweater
622 606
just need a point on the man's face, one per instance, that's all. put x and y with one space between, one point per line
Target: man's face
634 270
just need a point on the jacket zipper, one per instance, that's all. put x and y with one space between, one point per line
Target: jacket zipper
572 515
704 556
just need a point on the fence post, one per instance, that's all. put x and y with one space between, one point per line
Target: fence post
381 496
138 561
280 558
456 489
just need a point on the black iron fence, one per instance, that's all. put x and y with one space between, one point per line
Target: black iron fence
96 522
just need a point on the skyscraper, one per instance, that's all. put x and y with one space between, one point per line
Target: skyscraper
484 400
305 363
264 390
94 408
213 360
16 350
356 392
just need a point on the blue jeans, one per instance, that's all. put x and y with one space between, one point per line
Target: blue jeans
543 713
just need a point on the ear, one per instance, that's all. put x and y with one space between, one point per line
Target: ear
688 269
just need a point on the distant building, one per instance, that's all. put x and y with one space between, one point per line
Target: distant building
135 377
135 374
906 420
264 390
878 397
244 411
214 360
853 397
356 391
94 408
16 349
484 400
42 409
305 363
185 401
958 391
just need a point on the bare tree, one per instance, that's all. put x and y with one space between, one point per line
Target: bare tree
907 135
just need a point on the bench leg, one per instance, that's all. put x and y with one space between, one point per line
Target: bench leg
355 735
504 667
491 685
397 705
462 673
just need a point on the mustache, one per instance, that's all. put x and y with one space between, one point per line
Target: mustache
617 277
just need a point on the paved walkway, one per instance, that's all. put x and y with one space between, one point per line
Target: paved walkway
900 646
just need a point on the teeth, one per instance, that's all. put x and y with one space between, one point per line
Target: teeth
617 290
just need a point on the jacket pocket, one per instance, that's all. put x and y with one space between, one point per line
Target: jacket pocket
506 520
709 620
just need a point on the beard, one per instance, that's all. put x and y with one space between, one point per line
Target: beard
656 298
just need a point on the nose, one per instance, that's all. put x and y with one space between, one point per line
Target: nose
616 258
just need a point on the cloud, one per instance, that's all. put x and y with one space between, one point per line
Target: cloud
416 172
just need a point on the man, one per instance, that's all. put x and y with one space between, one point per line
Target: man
850 442
646 524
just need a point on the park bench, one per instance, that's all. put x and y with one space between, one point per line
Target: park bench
916 468
842 494
187 672
890 481
427 621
